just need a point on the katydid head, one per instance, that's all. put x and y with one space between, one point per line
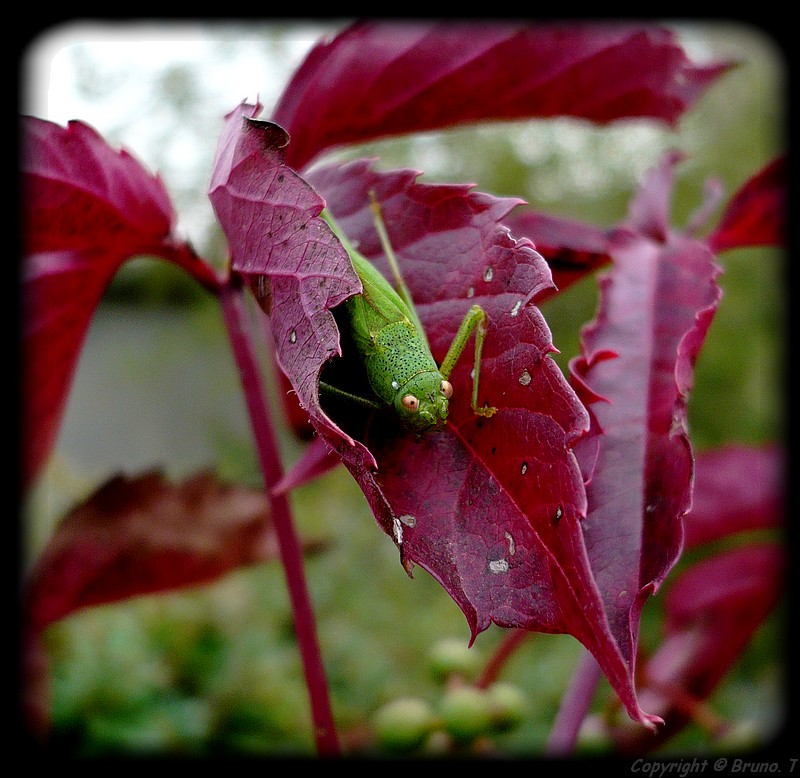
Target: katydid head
421 403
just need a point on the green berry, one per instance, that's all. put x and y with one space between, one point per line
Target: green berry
508 705
452 656
403 724
466 713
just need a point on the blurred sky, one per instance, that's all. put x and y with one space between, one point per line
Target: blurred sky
132 55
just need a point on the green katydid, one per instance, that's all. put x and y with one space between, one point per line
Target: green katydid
391 342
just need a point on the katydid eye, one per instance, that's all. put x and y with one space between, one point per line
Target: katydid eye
410 403
447 389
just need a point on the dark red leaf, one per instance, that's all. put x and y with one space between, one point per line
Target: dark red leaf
737 488
141 535
137 536
656 304
82 194
377 79
491 508
573 249
756 216
714 606
86 209
297 268
713 610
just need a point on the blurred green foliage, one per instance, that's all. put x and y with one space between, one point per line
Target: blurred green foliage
215 670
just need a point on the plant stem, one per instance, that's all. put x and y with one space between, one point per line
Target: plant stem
511 641
574 707
237 323
181 253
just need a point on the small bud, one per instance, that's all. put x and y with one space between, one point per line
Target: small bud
466 713
452 656
403 724
508 705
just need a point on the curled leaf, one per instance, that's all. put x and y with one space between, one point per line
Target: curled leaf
296 267
656 304
757 215
491 508
376 79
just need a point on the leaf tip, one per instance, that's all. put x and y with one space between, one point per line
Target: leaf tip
651 721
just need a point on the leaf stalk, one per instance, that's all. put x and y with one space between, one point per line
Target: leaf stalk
237 324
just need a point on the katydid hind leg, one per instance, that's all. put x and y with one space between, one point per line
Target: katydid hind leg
475 319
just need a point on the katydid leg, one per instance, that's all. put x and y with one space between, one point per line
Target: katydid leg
399 283
475 319
333 391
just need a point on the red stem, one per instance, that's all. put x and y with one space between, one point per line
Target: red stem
181 253
574 707
237 323
511 641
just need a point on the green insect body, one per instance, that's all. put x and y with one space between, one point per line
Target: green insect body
391 341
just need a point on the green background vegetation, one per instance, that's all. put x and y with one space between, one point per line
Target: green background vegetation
215 669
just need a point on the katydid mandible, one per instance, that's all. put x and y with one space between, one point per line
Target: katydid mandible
391 341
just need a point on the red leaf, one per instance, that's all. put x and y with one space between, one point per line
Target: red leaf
377 79
82 194
756 216
491 508
656 305
724 598
714 607
86 209
739 578
132 537
737 488
297 268
60 293
713 610
573 249
142 535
